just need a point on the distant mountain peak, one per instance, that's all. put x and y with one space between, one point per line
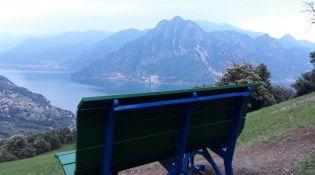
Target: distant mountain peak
288 37
212 26
177 26
160 57
178 19
288 41
264 36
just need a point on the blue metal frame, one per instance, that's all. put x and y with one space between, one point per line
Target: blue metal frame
108 140
182 101
180 160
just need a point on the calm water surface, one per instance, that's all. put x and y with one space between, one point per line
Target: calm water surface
62 92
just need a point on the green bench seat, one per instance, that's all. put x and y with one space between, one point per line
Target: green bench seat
119 132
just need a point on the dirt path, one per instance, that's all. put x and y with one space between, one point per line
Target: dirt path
280 157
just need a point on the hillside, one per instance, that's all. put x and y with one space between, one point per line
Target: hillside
279 139
22 111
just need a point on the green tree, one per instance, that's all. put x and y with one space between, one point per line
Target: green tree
18 146
305 84
62 134
281 93
68 139
5 155
16 142
41 146
312 56
264 74
53 139
243 74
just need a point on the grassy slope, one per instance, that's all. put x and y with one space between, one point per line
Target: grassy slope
44 164
269 123
263 125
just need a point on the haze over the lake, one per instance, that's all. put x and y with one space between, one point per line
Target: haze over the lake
276 18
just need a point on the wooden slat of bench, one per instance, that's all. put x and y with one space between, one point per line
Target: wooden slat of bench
95 117
149 127
69 169
130 149
67 161
66 157
147 123
127 149
148 131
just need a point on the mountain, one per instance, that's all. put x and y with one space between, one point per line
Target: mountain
53 52
179 51
22 111
110 44
211 27
175 51
284 64
10 40
288 41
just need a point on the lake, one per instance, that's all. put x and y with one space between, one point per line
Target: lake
62 92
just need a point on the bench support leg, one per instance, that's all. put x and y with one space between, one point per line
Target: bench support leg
175 166
108 141
189 158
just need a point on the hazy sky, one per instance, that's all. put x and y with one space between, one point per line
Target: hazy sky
276 17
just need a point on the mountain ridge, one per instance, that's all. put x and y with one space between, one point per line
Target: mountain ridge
214 49
201 56
211 27
51 52
151 58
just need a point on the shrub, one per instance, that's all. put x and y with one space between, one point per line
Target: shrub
52 138
41 146
281 93
5 155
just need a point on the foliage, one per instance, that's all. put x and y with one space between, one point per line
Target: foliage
41 146
5 155
64 135
281 93
246 73
312 56
20 146
305 84
263 73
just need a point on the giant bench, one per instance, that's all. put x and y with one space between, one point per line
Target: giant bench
119 132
